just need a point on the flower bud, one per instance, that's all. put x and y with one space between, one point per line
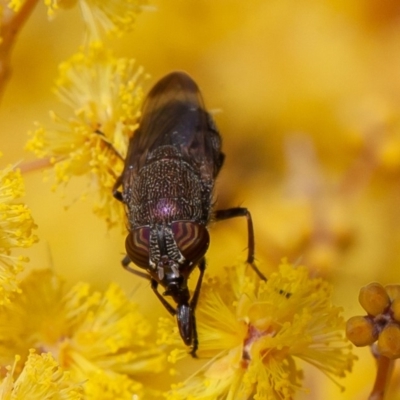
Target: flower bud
389 341
395 308
374 299
360 331
393 291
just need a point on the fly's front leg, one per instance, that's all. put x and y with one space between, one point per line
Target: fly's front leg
170 309
125 263
154 284
220 215
195 298
193 304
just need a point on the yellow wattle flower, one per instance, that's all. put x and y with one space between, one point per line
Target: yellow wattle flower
16 230
111 16
101 385
104 95
41 378
97 337
253 331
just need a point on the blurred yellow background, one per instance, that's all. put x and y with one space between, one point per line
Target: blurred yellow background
306 95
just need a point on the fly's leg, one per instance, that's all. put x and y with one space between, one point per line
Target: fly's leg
116 193
125 263
195 298
154 284
169 308
220 215
108 144
193 304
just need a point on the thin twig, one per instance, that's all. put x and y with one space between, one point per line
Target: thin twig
384 370
35 165
10 25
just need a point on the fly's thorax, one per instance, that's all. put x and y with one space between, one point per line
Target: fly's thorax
168 188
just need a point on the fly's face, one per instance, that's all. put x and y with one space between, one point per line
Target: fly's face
170 252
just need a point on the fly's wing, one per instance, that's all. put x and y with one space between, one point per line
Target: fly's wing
174 114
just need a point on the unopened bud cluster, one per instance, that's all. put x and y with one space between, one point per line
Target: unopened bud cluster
382 322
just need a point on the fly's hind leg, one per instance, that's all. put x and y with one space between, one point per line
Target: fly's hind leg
220 215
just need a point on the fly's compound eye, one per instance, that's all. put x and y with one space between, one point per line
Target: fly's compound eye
191 238
137 246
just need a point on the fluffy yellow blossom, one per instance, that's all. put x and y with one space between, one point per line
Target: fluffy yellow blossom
104 94
16 230
100 338
41 379
253 331
115 16
105 387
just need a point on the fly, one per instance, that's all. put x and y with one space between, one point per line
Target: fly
167 185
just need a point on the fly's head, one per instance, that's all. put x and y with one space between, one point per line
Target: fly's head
169 253
168 250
